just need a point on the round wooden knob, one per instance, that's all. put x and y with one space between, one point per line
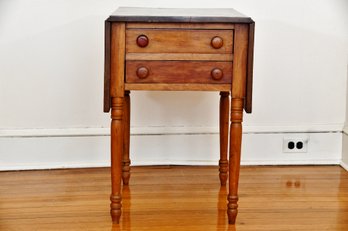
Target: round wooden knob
142 41
217 42
217 74
142 72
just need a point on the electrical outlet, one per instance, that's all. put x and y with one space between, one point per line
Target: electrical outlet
295 144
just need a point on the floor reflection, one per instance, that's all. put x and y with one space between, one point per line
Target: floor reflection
231 228
125 223
221 206
222 222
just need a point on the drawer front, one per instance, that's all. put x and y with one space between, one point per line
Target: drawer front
178 72
178 41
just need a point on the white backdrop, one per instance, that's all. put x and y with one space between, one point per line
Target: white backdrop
51 84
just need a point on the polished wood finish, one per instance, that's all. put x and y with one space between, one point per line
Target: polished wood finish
234 158
217 42
179 56
117 110
142 72
176 198
237 103
116 157
167 49
178 41
178 72
177 87
217 74
107 55
117 60
224 124
142 41
126 139
249 81
176 19
240 61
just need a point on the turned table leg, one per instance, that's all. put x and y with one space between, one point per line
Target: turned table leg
235 150
126 138
117 109
224 122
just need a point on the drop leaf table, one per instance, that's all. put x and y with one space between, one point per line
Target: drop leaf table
157 49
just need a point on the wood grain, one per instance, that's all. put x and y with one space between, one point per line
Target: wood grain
177 87
178 41
126 139
167 49
107 54
179 56
117 59
234 157
249 81
175 198
178 72
240 61
224 115
237 105
117 113
117 128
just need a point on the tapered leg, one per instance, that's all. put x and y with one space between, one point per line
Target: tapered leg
116 157
224 122
235 149
126 138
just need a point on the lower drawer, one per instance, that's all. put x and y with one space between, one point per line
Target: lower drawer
178 72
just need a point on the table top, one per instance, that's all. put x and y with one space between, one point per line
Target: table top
142 14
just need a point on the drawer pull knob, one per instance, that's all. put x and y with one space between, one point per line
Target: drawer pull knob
142 41
142 72
217 42
217 74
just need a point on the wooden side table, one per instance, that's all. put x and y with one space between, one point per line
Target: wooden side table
178 50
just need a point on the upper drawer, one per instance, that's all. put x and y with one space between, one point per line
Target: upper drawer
178 41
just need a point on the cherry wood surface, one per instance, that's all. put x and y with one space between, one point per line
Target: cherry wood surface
117 117
177 87
179 56
237 103
130 69
126 139
249 80
117 64
107 69
178 72
178 41
176 198
198 19
224 114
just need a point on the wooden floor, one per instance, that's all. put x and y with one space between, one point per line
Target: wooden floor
176 198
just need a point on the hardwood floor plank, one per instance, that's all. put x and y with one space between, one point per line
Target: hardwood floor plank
180 198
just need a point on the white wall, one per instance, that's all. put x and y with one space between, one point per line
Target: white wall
51 84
